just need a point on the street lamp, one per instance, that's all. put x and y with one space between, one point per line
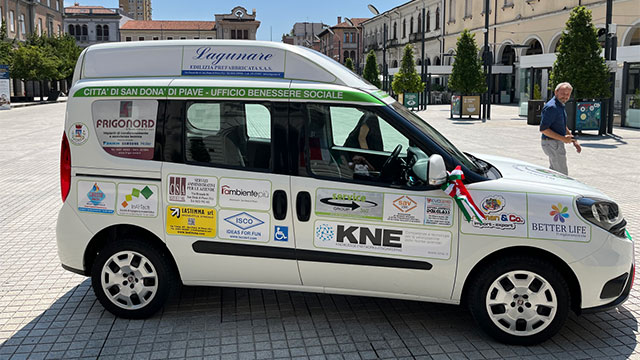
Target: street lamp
375 12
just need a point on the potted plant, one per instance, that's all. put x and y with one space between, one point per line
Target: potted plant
467 78
406 80
579 62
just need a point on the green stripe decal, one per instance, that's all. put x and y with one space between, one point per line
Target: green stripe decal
226 92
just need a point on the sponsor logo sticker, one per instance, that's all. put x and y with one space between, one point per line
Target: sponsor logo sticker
192 190
191 221
244 226
245 194
404 209
439 211
137 200
553 217
96 197
341 203
382 239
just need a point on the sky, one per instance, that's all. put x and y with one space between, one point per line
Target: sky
276 16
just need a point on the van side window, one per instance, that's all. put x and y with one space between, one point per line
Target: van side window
351 143
228 133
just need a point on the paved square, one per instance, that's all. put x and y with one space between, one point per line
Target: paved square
49 313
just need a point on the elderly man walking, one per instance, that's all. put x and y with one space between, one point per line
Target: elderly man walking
555 132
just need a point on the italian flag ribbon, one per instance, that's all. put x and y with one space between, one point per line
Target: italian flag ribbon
456 189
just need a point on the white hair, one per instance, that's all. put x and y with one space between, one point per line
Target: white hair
564 85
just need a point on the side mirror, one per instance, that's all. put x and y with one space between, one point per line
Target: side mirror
436 171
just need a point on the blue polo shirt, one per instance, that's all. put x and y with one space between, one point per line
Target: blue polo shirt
554 117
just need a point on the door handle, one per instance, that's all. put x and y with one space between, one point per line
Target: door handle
279 204
303 206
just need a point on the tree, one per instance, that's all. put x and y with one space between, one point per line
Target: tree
30 62
67 51
371 73
349 64
579 60
6 46
467 76
407 79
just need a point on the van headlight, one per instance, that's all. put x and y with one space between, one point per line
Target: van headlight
603 213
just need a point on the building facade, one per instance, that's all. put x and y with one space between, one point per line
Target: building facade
92 24
344 40
523 38
26 17
239 24
146 30
136 9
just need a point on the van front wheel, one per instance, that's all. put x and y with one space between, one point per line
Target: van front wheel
131 278
520 300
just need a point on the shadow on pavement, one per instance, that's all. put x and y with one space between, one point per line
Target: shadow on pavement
251 323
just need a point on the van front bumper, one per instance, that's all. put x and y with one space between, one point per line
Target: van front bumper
619 300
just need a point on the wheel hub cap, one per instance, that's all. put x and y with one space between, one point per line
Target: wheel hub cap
521 303
129 280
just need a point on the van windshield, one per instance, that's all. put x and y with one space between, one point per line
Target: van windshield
434 135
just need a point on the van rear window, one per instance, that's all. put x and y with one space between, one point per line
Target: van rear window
126 128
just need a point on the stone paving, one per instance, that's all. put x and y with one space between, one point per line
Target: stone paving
49 313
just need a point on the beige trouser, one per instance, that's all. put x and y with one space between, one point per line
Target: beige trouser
557 155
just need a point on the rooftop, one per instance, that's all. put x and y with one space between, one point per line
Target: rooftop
168 25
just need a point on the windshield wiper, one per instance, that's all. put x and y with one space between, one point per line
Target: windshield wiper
479 163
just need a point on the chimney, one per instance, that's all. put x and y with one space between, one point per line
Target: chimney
339 19
76 4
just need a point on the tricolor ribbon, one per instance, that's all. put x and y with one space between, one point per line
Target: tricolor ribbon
456 189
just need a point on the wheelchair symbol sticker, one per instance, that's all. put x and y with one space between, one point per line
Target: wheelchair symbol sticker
281 233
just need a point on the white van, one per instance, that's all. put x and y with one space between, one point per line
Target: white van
263 165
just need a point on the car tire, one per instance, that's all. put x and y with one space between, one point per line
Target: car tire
519 300
132 278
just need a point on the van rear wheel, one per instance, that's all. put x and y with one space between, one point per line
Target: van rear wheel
520 300
131 279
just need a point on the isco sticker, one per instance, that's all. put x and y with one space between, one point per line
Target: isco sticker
244 226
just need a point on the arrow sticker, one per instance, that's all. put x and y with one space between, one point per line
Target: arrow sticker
175 212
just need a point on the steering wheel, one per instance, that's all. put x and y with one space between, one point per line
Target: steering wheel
394 155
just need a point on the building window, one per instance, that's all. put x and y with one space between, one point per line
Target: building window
209 38
169 37
72 30
59 30
468 9
23 29
57 5
12 21
156 38
395 30
508 3
196 37
99 32
404 28
419 23
452 10
140 38
437 19
246 34
233 34
428 21
411 26
49 3
40 26
105 32
128 38
183 38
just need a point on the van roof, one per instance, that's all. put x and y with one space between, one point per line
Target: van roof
214 59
